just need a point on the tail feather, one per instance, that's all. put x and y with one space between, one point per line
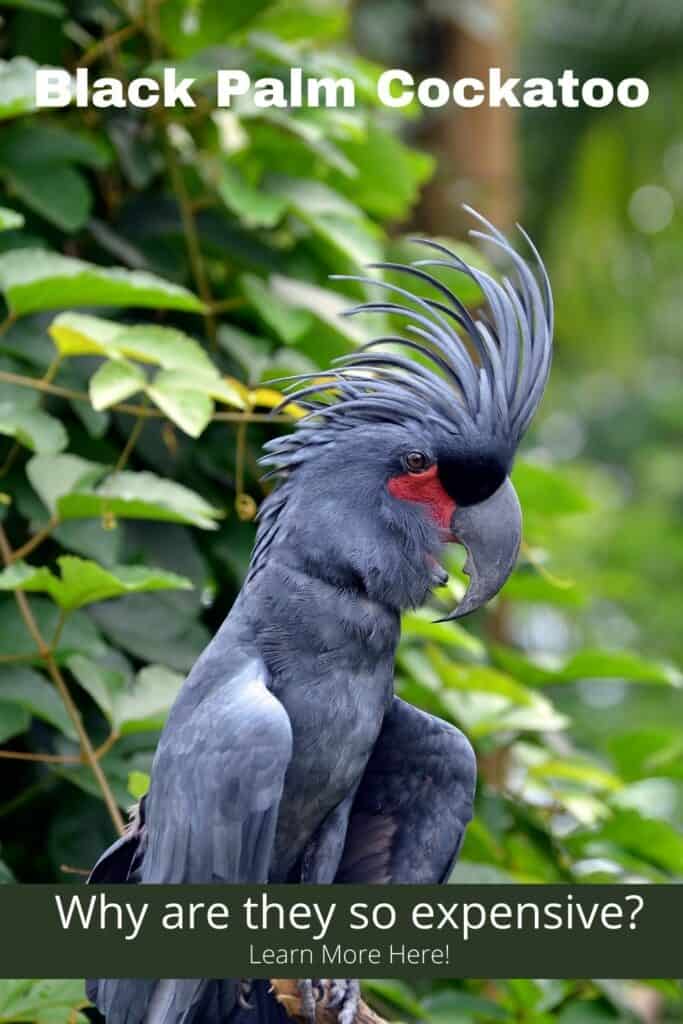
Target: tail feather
169 1001
183 1001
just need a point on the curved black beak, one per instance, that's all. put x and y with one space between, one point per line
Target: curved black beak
491 532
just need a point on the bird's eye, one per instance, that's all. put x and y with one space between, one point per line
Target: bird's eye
416 462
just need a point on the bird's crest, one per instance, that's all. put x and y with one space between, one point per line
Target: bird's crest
481 376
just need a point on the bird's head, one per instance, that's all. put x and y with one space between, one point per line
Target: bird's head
398 455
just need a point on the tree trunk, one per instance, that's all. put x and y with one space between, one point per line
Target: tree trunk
476 147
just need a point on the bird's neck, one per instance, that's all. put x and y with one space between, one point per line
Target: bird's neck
347 546
298 617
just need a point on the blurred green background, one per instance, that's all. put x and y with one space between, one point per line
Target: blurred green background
133 403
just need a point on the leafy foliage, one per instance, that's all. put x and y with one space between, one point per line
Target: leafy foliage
134 399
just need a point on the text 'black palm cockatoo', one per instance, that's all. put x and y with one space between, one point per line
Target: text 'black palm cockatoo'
286 756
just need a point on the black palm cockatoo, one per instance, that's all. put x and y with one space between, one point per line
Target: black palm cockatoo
286 756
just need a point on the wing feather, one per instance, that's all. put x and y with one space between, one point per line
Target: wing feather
210 816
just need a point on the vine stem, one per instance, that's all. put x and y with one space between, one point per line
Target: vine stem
122 461
190 232
55 674
103 45
35 541
239 458
44 758
134 410
175 171
7 323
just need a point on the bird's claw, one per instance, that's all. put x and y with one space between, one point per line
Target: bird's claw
344 996
310 993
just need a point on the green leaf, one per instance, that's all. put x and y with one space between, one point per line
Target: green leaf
101 683
17 86
188 28
576 771
183 390
287 323
547 492
420 625
389 174
224 389
161 346
306 21
37 142
52 8
84 582
480 678
146 706
9 219
66 484
140 496
486 701
589 664
331 334
644 753
33 279
528 584
333 218
396 993
250 352
115 381
37 161
138 784
468 872
78 635
154 628
14 719
190 409
31 691
596 664
77 334
255 207
58 192
656 842
6 876
53 477
42 1002
451 1007
304 128
34 428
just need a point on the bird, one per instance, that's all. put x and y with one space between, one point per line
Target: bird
287 755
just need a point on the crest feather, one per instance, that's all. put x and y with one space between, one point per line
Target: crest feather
482 376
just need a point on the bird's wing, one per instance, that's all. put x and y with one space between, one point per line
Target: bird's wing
413 804
217 781
210 816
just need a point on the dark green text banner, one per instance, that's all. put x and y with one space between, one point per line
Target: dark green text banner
507 931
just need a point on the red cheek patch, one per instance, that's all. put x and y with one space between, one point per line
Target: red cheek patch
425 489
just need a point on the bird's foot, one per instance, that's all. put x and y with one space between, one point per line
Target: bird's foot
344 997
310 992
244 993
340 994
